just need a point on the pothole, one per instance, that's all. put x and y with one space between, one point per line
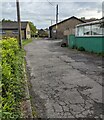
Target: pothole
82 88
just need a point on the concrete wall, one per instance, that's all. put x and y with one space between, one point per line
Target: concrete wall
89 43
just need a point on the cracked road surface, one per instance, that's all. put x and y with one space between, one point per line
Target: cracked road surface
64 83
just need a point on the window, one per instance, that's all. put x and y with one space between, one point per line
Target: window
54 31
87 30
2 32
92 29
15 32
80 31
97 30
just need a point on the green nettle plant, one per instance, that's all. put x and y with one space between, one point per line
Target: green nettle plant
12 81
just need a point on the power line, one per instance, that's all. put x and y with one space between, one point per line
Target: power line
50 3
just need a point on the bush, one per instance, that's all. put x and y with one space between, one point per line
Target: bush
101 54
81 49
12 78
74 47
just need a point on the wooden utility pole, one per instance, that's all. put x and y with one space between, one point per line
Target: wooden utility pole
56 19
57 14
19 24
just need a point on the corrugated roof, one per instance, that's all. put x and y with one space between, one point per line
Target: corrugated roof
90 23
90 20
12 25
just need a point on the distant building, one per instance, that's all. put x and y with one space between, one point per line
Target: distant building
43 33
64 27
10 29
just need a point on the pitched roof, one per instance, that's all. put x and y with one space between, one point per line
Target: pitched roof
67 20
13 25
90 23
102 18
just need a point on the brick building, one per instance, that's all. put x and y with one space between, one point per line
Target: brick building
64 28
10 29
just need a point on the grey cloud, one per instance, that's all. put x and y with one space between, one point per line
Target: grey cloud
41 13
54 0
9 10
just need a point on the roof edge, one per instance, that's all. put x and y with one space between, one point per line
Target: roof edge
68 19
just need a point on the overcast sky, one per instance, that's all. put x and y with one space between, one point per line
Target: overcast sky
41 13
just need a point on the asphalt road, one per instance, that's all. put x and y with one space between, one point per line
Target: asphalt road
64 83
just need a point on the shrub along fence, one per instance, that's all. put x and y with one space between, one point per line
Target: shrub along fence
87 43
12 79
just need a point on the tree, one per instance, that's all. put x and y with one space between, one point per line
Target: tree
4 20
43 33
33 29
83 18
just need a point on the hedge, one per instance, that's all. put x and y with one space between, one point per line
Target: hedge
12 82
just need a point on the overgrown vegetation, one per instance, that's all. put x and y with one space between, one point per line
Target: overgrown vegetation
12 82
101 54
81 49
33 29
74 47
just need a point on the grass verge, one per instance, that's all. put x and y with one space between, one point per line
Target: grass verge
27 41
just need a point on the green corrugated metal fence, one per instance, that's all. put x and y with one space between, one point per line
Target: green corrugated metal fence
89 43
